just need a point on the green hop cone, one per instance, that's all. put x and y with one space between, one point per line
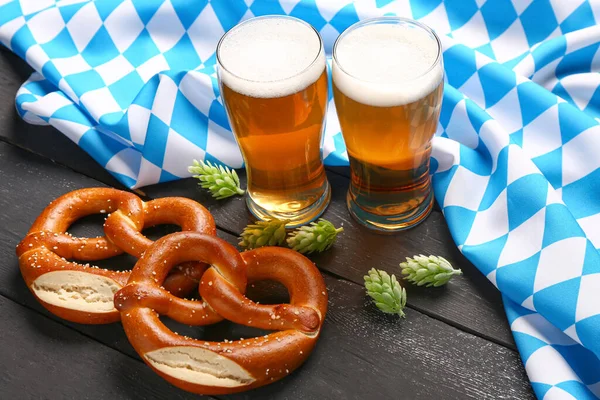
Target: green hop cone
385 290
264 233
318 236
221 181
429 271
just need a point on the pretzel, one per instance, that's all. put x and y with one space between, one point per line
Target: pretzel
231 366
84 293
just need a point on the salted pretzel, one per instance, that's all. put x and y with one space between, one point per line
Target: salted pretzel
231 366
84 293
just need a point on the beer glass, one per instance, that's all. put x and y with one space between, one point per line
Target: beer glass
273 83
387 85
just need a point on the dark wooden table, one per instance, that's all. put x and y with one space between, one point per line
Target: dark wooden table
455 342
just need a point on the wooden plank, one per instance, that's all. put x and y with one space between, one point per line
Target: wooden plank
379 356
42 359
470 302
360 350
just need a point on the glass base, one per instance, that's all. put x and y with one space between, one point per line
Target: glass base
390 223
296 218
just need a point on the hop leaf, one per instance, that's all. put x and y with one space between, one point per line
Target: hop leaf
264 233
429 271
318 236
221 181
385 290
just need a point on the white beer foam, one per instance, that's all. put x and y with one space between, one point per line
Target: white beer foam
271 57
386 64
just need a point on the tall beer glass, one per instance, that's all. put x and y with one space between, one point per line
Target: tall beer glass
387 85
274 85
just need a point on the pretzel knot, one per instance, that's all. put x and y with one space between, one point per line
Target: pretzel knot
84 293
230 366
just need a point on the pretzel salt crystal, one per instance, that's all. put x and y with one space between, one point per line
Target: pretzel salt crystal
222 367
83 293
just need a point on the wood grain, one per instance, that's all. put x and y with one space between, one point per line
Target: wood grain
471 302
42 359
360 351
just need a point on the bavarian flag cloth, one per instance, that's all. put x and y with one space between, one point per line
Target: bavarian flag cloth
516 155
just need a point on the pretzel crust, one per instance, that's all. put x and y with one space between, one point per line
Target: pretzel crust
222 367
83 293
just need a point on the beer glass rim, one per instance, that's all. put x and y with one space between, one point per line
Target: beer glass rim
389 19
273 16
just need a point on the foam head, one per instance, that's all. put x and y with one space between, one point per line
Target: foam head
387 63
270 57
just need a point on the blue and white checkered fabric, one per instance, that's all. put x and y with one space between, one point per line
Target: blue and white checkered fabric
516 158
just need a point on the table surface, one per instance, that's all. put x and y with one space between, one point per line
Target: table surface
454 343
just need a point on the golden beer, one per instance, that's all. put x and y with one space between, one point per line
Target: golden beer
274 86
388 85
